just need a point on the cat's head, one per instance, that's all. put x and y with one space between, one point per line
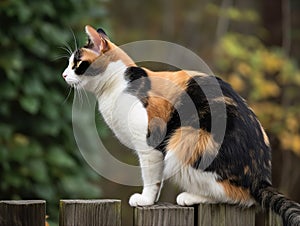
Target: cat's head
89 63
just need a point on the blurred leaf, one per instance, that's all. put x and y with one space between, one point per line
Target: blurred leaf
47 191
34 88
30 104
5 130
38 171
58 158
8 91
71 184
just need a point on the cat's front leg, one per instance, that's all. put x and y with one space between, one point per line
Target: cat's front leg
151 163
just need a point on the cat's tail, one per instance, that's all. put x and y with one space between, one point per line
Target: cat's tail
269 197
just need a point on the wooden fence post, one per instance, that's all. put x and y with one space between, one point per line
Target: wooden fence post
23 213
164 214
225 215
90 212
272 219
108 213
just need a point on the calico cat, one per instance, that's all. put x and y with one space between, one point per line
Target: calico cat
171 139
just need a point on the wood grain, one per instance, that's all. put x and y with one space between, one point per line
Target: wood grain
106 212
225 215
23 213
164 214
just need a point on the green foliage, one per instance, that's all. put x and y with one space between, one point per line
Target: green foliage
269 80
38 155
233 13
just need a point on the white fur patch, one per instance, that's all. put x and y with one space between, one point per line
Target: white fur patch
194 181
123 112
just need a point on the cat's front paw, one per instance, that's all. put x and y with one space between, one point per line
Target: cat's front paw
140 200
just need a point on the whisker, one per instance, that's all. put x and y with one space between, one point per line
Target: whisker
81 95
75 40
66 49
78 91
76 95
60 57
86 95
82 100
69 93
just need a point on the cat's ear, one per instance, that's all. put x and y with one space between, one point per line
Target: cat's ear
102 32
99 40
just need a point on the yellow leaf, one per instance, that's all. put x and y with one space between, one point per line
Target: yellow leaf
236 82
244 69
292 124
296 143
285 140
272 62
270 89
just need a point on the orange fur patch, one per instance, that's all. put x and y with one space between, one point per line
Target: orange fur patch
235 193
165 90
167 84
115 53
158 108
88 55
189 144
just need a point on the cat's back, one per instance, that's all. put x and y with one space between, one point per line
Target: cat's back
183 104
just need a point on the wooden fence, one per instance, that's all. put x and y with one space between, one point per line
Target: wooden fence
108 213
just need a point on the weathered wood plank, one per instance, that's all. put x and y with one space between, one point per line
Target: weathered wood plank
22 213
272 219
236 215
225 215
164 214
218 215
204 214
90 212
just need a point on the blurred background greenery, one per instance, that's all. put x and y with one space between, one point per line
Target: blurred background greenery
252 44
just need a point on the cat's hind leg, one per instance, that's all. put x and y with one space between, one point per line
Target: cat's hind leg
188 199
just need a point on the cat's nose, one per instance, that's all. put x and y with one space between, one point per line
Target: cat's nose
64 75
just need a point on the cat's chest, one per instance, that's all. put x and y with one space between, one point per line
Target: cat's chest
127 117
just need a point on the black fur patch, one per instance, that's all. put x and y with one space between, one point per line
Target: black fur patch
81 69
200 117
162 137
139 83
77 57
243 144
101 31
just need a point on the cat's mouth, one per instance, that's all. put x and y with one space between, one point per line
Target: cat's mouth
74 83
